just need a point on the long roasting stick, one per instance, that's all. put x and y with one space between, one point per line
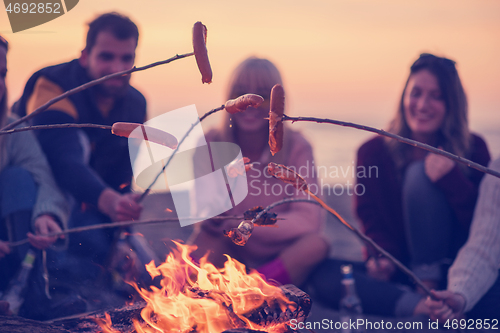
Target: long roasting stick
148 189
54 126
119 224
410 142
90 84
356 232
238 105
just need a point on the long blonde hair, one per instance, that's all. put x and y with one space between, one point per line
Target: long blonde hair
454 134
253 75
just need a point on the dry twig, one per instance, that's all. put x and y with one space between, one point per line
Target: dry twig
39 127
410 142
146 192
358 233
90 84
119 224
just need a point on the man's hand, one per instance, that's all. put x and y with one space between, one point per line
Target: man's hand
4 249
44 224
436 166
449 306
119 207
380 268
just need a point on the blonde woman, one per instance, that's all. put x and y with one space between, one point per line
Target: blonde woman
288 252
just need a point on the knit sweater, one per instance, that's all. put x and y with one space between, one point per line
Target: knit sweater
476 267
299 218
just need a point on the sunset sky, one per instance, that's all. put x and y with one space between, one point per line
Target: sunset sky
342 59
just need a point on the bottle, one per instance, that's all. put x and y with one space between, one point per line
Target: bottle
350 305
14 293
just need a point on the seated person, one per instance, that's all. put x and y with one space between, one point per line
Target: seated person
31 204
285 253
419 205
92 165
416 205
473 280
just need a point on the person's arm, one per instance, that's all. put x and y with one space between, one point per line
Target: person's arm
377 191
461 191
299 219
44 224
26 153
447 306
68 154
475 268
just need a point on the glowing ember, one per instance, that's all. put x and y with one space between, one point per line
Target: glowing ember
203 298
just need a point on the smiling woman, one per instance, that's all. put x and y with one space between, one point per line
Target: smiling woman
420 207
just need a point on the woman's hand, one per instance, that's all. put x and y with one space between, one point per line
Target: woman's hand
380 268
44 224
4 249
449 306
436 166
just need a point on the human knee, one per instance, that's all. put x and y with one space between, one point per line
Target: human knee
18 190
16 177
316 246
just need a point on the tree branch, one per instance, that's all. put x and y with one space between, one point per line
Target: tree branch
90 84
410 142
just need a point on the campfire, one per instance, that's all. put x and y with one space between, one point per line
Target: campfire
198 297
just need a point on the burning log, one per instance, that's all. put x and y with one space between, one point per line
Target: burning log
21 325
198 297
271 314
268 315
242 330
122 319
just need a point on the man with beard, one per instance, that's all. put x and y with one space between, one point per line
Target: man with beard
92 165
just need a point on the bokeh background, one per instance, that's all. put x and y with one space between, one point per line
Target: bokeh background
345 59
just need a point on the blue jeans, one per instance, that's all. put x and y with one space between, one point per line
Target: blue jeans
87 251
377 297
17 197
431 226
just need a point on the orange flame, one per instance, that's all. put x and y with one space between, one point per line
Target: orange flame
204 298
105 324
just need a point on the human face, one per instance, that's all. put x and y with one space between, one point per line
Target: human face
110 55
424 106
253 119
3 70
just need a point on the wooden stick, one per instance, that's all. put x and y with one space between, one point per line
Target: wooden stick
146 192
410 142
90 84
39 127
358 233
120 224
